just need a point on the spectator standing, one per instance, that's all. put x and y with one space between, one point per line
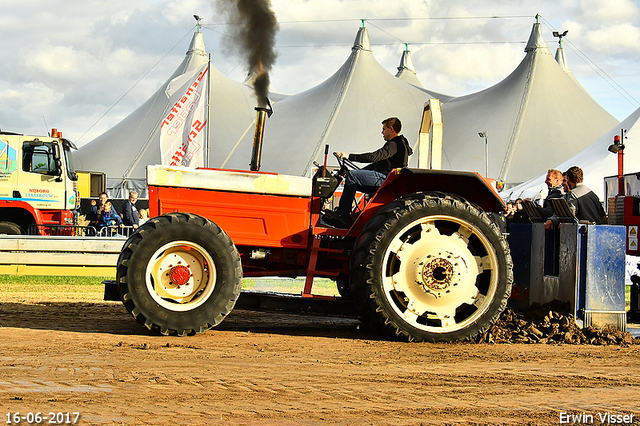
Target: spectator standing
554 182
584 202
130 215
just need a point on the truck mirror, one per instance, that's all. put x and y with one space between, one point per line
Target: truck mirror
57 161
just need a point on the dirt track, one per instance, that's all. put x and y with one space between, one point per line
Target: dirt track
268 369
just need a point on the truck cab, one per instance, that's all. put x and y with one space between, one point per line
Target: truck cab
38 184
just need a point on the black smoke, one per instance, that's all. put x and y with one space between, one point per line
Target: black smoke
254 27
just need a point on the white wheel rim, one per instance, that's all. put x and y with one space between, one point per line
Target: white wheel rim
180 276
434 281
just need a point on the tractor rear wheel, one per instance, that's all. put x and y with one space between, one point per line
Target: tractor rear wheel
431 267
179 274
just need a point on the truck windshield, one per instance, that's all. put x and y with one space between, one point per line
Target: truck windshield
71 170
45 158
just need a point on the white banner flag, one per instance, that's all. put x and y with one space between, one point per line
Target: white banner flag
182 132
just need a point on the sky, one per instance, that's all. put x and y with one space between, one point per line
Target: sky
82 66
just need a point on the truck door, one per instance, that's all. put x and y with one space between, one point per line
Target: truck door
8 168
41 181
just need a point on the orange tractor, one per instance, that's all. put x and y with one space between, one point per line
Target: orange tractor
423 261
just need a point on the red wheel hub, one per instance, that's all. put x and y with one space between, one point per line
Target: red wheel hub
180 275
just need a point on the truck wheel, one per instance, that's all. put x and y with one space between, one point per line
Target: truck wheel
431 267
179 274
9 228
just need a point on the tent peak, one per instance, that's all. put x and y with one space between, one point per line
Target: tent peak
407 71
562 60
362 41
406 62
197 45
536 41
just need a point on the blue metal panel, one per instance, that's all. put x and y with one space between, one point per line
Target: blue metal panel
601 269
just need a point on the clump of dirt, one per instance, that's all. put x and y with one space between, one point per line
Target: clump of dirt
550 323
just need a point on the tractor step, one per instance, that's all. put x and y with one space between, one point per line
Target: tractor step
251 300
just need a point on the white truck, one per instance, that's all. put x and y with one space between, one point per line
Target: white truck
38 185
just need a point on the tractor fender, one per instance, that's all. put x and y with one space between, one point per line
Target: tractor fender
400 182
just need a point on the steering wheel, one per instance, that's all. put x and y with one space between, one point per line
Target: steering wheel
345 164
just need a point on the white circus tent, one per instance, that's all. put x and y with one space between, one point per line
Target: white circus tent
537 116
345 112
595 161
124 151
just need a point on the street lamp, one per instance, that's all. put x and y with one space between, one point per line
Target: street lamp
617 147
486 153
560 35
198 19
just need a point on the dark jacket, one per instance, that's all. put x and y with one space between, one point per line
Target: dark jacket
94 213
393 154
130 214
585 204
554 193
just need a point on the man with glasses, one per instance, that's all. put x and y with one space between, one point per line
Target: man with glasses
130 215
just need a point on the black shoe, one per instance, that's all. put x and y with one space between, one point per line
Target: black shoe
332 214
336 220
322 223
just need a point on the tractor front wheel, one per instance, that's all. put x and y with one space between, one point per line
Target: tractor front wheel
179 274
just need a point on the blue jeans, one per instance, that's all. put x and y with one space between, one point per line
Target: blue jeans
366 181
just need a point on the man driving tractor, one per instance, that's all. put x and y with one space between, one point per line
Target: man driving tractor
393 154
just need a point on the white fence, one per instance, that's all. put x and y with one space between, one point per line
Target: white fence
53 255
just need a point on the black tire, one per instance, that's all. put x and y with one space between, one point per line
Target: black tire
10 228
431 267
344 291
179 274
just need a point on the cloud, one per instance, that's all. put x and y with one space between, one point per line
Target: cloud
608 12
71 61
466 69
619 39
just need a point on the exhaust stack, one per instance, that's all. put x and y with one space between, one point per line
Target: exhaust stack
261 114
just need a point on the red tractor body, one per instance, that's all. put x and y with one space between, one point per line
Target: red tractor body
422 260
273 220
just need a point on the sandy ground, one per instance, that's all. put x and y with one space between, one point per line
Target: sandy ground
72 356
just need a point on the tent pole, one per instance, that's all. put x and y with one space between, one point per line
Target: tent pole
208 127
